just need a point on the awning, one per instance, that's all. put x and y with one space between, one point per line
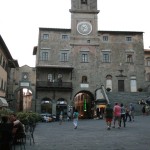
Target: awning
3 102
101 101
101 106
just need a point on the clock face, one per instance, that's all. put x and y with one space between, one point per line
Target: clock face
25 76
84 28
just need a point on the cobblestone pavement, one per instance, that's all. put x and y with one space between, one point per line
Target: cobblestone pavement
92 135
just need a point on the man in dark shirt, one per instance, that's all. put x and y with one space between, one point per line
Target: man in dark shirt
6 135
108 115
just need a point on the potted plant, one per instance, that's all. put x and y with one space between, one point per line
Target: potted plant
108 89
28 117
140 89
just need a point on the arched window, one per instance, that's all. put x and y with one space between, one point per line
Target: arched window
59 76
61 101
129 58
83 1
84 79
46 105
109 82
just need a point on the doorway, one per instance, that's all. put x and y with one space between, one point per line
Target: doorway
84 103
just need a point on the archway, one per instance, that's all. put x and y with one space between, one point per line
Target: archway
61 106
23 97
46 105
84 103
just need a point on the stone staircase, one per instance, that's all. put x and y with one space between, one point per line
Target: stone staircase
127 97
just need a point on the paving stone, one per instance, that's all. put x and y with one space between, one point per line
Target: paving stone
92 135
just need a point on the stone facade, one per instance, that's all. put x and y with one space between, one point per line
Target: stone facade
21 78
147 69
85 58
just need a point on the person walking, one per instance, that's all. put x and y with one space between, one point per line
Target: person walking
144 109
60 117
75 118
108 115
131 107
123 113
69 115
117 114
127 114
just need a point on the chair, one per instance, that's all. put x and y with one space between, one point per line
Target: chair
19 139
29 129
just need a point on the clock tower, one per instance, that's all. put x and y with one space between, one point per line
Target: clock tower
84 43
84 22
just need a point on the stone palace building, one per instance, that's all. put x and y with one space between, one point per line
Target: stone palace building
73 64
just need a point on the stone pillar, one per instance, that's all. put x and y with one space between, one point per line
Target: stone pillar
38 105
54 107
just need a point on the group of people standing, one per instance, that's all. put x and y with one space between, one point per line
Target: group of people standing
145 109
10 130
118 114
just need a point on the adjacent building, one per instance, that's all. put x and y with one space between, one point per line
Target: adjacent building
147 68
13 79
22 78
6 63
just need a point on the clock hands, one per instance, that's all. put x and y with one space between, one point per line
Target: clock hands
84 28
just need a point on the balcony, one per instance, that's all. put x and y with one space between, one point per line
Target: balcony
54 85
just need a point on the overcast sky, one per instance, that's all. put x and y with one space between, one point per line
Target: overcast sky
20 21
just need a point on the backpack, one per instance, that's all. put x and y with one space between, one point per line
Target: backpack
123 110
132 108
